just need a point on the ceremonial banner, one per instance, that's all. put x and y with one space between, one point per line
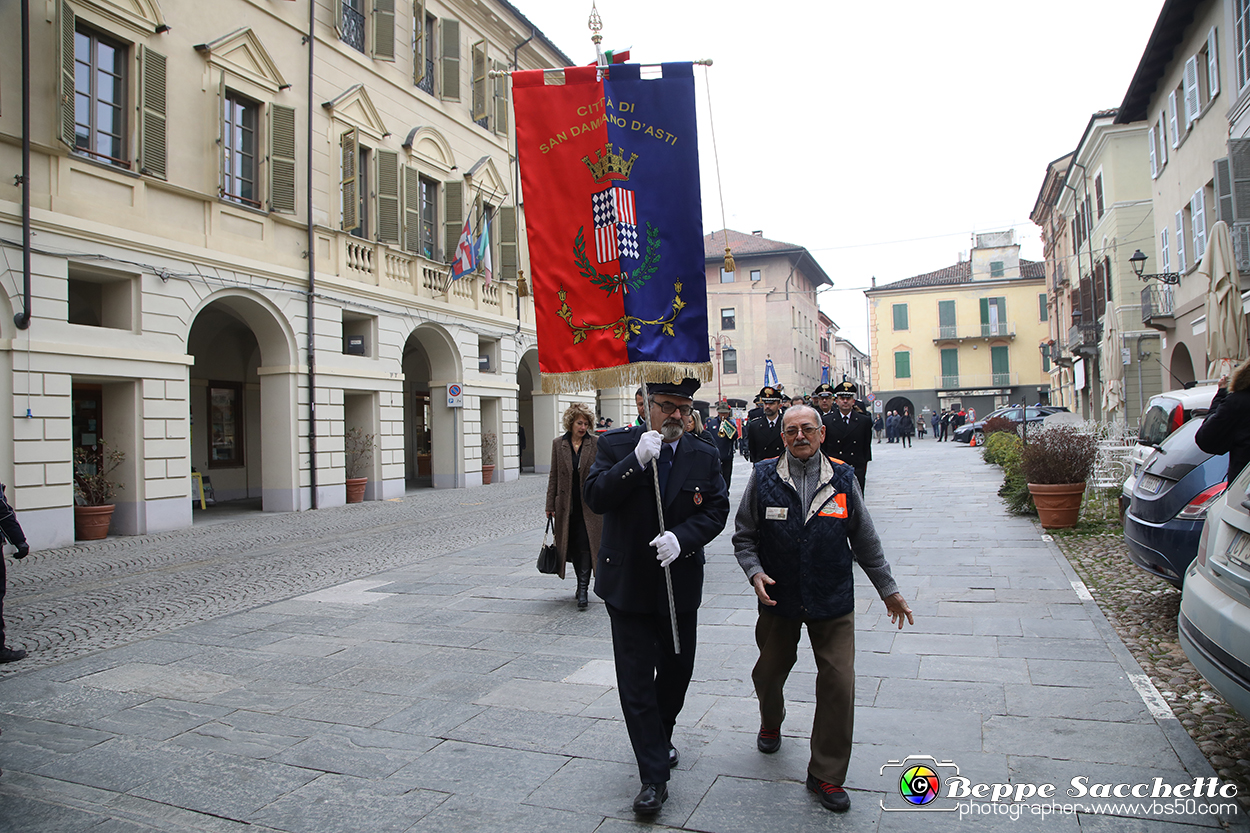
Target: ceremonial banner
610 174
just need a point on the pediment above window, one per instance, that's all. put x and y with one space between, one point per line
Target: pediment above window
427 145
242 54
485 175
143 16
353 106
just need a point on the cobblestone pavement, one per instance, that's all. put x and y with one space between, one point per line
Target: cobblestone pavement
73 601
1143 610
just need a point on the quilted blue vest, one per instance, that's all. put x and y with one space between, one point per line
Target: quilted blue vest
809 558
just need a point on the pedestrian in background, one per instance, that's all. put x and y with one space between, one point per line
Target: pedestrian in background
800 527
878 425
945 424
891 427
848 433
906 427
725 435
577 528
694 427
12 531
1226 430
937 419
764 432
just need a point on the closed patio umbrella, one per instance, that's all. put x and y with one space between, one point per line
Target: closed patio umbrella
1226 319
1112 368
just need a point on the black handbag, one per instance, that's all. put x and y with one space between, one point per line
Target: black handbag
548 556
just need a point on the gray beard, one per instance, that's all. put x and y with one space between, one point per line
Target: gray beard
670 432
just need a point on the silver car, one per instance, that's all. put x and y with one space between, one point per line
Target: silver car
1214 621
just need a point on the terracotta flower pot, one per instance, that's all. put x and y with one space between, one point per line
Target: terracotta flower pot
356 489
488 474
1058 504
91 523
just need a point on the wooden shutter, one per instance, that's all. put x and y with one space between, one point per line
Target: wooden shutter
388 196
1163 142
384 30
1167 254
900 316
1192 104
479 81
223 152
411 209
1099 203
1173 124
153 157
501 100
507 243
348 144
1213 65
450 68
1223 182
453 216
1198 219
1150 140
950 366
902 365
1180 241
281 159
65 84
1000 362
1239 163
418 41
338 17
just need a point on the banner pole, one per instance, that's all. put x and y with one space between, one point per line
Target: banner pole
659 507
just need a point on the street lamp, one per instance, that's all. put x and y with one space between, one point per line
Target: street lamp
1138 261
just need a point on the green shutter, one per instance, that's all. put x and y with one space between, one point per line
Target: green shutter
388 196
946 319
902 365
153 157
501 100
507 244
1000 365
950 367
347 185
66 83
1042 312
900 316
453 217
985 313
479 81
281 159
450 73
412 210
384 30
418 41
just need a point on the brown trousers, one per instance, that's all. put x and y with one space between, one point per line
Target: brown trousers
833 643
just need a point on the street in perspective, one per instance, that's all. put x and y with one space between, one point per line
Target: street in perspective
401 666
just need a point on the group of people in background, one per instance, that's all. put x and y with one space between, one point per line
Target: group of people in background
947 422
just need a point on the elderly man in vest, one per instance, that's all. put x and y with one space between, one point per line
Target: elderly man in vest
800 526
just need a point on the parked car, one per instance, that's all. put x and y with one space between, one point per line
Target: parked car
1177 486
1164 414
1214 622
974 432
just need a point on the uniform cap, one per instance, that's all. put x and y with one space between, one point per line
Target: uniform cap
845 387
769 394
686 387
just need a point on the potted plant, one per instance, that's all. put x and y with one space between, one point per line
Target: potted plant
94 489
1055 463
490 445
359 447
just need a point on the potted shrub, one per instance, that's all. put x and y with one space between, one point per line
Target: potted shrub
94 489
490 445
359 447
1055 463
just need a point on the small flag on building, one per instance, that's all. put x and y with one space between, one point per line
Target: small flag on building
463 264
481 253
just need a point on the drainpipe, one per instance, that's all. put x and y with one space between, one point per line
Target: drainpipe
312 269
22 319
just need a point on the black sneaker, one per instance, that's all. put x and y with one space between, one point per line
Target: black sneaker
11 654
831 796
768 741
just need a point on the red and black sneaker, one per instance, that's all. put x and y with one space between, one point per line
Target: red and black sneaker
832 796
768 741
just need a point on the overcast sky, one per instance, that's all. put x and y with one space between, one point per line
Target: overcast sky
878 136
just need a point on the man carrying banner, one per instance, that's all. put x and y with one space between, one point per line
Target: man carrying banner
651 677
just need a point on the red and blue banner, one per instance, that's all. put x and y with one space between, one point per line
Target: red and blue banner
610 174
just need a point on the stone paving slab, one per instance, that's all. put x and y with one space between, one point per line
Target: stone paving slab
463 692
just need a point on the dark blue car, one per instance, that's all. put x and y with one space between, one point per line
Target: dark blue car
1170 499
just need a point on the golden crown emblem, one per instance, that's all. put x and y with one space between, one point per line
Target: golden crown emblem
609 165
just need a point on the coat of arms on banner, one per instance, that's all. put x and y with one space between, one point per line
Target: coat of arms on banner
615 215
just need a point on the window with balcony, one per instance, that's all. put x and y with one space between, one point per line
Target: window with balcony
1000 366
993 316
950 367
423 54
946 319
727 318
352 23
426 220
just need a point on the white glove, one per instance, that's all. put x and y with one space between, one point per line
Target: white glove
666 548
648 447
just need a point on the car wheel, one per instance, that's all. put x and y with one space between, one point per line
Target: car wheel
978 438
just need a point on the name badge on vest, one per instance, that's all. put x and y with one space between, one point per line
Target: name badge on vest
776 513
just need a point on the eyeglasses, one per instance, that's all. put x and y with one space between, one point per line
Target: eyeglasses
669 407
809 430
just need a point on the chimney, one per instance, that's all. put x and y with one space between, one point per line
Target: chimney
758 233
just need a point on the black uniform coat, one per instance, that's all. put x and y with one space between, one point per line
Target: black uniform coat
696 506
850 444
764 443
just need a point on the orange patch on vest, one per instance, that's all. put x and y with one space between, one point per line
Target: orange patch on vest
835 508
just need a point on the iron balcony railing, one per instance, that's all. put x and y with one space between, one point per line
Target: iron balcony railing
353 25
1157 302
968 381
950 332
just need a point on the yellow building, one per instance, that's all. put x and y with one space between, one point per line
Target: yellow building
969 334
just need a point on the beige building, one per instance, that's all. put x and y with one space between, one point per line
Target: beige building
969 334
1092 209
766 308
236 257
1189 86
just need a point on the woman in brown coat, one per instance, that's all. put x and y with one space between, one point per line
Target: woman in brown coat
577 529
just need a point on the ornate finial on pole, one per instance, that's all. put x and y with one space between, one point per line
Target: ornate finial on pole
595 24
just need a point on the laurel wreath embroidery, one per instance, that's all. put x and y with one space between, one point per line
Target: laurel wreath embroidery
622 282
625 327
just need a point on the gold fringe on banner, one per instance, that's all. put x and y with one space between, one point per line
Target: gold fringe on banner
626 375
